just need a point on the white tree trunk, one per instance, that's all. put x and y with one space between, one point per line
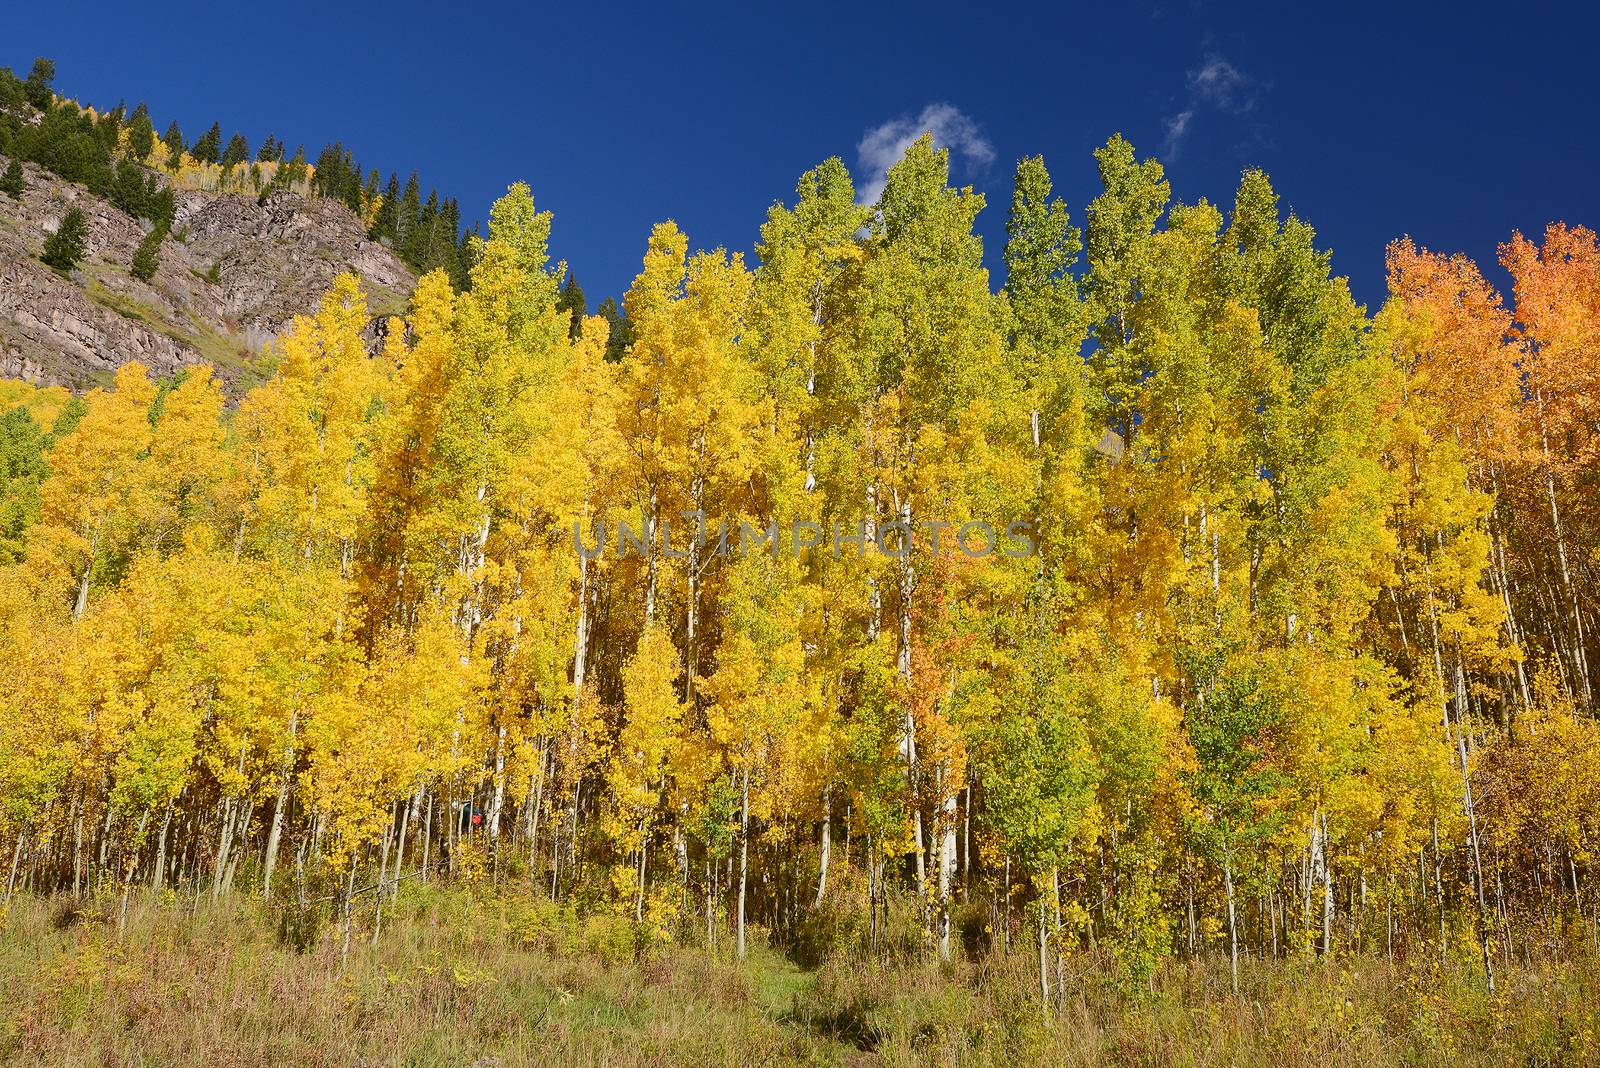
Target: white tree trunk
744 853
825 844
1233 921
275 835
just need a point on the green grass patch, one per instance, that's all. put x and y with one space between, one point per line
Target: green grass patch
127 307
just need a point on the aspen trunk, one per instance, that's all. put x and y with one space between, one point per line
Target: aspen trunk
224 843
427 835
383 874
498 797
824 844
744 854
349 909
81 602
16 857
908 741
1007 928
240 835
159 868
77 847
1327 892
538 806
580 660
128 865
711 897
1044 961
407 818
275 834
1580 659
1233 921
947 866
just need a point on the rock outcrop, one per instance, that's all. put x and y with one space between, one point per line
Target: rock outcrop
52 333
233 273
276 258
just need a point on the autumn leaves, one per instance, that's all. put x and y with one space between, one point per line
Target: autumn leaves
1304 662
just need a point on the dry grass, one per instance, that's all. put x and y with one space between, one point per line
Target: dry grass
502 982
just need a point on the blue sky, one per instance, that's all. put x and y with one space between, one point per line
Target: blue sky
1450 123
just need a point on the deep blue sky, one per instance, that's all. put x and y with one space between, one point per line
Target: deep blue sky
1450 124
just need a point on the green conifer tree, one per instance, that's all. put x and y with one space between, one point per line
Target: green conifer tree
237 152
12 183
383 226
173 139
37 87
406 219
621 330
147 257
65 248
571 302
141 135
207 149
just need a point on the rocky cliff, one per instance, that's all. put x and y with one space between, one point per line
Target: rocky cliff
233 272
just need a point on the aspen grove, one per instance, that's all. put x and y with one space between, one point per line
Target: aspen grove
1304 662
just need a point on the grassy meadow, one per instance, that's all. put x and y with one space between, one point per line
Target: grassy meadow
505 979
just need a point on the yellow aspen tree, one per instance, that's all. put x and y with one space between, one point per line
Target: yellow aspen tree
90 505
307 438
641 760
758 694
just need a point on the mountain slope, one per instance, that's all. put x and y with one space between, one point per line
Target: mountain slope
233 272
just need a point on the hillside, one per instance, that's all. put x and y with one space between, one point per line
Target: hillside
234 270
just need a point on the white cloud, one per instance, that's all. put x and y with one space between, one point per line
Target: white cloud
1216 85
1177 126
883 146
1222 85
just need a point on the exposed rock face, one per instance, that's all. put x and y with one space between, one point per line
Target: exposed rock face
276 259
54 334
272 261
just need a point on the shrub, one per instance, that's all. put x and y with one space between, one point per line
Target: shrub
609 937
299 923
539 924
827 933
